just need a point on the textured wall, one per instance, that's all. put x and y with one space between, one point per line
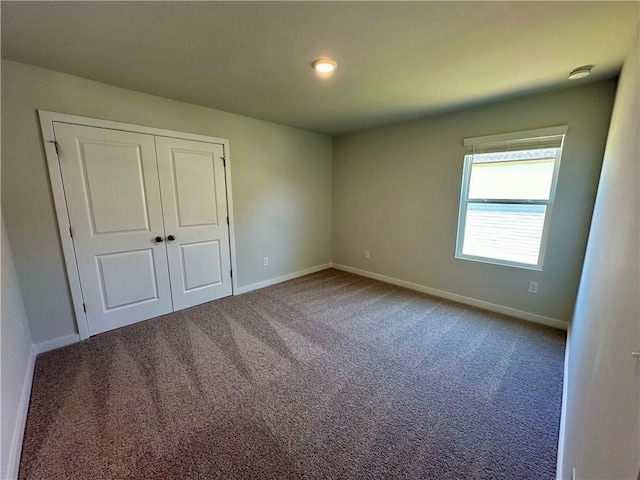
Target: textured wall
281 180
396 192
602 420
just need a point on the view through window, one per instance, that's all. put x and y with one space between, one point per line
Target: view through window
507 194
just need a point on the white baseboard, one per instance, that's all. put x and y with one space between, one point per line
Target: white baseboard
282 278
56 343
563 411
531 317
13 463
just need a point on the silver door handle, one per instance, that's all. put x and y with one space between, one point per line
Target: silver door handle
635 354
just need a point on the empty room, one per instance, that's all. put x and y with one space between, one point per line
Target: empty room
320 240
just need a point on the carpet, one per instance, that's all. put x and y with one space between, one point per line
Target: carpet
328 376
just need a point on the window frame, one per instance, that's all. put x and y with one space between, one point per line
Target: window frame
465 201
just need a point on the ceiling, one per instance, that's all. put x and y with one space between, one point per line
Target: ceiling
396 60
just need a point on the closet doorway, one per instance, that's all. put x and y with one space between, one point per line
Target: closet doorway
144 217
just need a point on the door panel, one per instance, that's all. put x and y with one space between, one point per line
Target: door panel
201 265
194 202
138 267
105 166
111 185
195 187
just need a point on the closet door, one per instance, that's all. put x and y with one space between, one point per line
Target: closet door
113 198
194 201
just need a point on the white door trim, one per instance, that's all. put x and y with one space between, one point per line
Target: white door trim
48 136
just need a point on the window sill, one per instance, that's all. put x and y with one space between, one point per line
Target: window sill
501 263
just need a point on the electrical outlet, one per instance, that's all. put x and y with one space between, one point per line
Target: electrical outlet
265 261
366 254
533 287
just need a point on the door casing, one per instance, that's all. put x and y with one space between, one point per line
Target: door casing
55 176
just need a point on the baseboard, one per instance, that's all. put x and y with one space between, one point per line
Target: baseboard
56 343
531 317
13 463
282 278
564 408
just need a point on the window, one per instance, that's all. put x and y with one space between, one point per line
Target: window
508 187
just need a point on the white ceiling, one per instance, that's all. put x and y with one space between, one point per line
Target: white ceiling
396 60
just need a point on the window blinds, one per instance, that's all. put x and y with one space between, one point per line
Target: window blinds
541 139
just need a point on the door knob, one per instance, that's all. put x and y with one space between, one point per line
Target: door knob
159 239
171 238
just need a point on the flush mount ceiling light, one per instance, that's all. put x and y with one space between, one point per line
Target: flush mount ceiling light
324 65
580 72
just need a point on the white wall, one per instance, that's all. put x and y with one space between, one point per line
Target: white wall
281 180
17 364
602 436
396 192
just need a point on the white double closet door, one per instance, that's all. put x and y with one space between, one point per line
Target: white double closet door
149 222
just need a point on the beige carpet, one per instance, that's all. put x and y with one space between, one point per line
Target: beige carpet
330 376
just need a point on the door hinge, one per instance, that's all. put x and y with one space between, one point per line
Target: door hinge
70 232
227 220
231 273
55 145
84 307
224 162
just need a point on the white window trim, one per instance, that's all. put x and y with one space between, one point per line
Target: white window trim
464 194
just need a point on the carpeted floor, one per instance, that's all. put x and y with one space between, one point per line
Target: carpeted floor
329 376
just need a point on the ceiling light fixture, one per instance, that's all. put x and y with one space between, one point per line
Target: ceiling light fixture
324 65
580 72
